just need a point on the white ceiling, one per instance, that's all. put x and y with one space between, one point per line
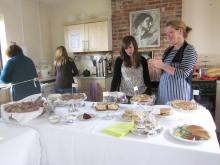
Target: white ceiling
53 1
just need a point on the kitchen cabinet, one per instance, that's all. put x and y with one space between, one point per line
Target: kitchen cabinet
94 36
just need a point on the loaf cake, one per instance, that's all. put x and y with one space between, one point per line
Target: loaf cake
106 106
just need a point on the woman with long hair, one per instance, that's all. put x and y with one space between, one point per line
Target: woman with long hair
130 70
65 69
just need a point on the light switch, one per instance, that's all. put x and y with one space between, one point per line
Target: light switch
195 92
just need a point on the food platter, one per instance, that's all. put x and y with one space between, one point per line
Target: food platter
175 131
67 99
107 107
23 110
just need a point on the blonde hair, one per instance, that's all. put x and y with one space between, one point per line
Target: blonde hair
61 56
177 24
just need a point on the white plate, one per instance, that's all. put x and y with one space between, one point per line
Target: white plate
172 133
80 117
151 101
156 110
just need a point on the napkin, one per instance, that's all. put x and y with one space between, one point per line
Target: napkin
119 129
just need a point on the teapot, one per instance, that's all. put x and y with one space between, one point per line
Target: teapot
86 73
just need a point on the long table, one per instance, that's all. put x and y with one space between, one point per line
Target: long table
19 145
83 143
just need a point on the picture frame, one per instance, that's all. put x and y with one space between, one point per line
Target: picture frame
145 27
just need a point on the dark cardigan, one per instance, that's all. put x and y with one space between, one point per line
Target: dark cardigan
116 81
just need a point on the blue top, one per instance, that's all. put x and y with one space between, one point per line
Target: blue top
17 70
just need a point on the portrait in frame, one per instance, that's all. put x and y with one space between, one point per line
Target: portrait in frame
145 27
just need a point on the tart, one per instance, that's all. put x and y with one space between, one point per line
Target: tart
184 105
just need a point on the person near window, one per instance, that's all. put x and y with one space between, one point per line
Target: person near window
176 66
20 71
65 69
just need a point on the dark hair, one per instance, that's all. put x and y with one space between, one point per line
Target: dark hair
61 56
140 18
13 50
177 24
126 42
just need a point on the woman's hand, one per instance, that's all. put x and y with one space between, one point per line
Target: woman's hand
158 64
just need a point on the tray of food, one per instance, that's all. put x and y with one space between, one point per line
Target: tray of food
66 99
24 110
106 106
190 133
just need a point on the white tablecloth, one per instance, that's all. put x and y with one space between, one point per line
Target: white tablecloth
19 145
83 143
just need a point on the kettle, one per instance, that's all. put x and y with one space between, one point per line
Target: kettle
86 73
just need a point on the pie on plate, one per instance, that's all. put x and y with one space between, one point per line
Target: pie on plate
141 98
74 96
184 105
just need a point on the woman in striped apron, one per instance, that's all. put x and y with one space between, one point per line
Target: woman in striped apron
176 66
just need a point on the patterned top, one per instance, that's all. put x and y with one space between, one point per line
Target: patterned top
141 72
175 86
132 77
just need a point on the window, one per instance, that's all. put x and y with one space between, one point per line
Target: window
3 45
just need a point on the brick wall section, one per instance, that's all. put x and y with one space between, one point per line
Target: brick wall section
169 9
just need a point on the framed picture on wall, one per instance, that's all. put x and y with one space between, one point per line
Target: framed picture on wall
145 27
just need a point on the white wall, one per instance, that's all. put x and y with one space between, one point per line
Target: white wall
203 16
39 26
25 22
71 11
